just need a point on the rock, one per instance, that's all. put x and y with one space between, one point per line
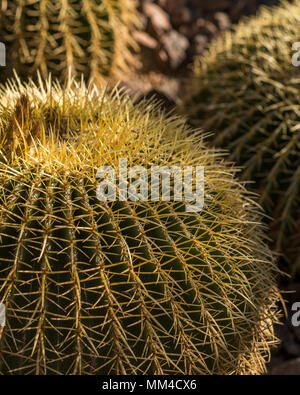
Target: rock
160 20
145 39
176 45
188 30
206 27
200 42
163 3
222 20
291 367
173 6
163 56
181 16
213 5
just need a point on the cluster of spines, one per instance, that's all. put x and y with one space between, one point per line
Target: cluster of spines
122 288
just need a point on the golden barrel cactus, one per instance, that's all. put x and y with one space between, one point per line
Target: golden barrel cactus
123 286
246 92
89 37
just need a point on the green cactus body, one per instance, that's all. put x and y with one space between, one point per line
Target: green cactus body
89 37
123 287
246 91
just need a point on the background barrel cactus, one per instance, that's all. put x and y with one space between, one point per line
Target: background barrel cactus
123 287
246 91
89 36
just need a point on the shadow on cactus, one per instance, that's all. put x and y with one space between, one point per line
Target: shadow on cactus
246 90
123 287
90 37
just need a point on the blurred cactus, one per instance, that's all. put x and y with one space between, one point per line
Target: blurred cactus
122 287
246 91
90 37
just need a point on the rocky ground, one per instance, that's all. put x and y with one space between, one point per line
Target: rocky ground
173 33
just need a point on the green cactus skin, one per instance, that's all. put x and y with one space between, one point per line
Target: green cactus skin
89 37
246 91
123 287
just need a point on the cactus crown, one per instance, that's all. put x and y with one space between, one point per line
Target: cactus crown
128 287
90 37
246 90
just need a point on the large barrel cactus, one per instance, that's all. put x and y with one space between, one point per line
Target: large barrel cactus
246 90
123 286
89 37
